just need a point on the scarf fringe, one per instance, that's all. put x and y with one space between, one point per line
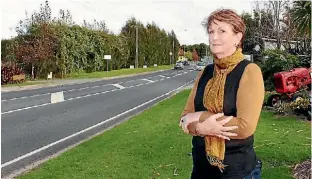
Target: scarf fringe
215 161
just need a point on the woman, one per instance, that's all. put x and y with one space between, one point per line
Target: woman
224 106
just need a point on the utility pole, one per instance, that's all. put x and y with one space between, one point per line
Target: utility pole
172 47
136 47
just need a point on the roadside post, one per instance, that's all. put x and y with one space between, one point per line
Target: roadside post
107 58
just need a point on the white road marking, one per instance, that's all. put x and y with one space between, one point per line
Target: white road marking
21 109
87 129
43 94
148 80
11 99
93 94
118 86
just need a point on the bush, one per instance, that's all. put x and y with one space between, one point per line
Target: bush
274 61
300 106
8 71
284 109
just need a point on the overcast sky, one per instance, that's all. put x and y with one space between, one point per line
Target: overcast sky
182 16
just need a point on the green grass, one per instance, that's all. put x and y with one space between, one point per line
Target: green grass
120 72
26 83
151 145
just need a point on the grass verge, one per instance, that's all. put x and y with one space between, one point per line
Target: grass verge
151 145
26 83
120 72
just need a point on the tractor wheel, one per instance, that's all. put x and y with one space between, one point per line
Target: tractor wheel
274 100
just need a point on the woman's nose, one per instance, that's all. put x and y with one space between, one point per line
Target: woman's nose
214 36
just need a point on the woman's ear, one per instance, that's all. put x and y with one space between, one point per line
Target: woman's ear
239 37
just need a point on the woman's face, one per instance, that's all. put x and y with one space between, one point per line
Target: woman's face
222 39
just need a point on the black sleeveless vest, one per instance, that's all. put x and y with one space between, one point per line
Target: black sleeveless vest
240 156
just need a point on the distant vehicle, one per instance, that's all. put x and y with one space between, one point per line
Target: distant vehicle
200 66
179 66
186 63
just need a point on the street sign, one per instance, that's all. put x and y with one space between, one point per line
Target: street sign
107 57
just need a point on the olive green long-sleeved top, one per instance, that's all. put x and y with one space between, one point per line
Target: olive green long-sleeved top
249 103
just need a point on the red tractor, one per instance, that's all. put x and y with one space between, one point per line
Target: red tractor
289 85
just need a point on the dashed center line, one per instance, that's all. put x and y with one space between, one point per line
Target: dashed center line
118 86
148 80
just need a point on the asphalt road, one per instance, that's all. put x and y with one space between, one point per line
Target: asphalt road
33 128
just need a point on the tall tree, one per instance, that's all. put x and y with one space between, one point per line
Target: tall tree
36 42
195 56
301 15
7 47
202 50
250 39
36 48
154 44
268 17
278 7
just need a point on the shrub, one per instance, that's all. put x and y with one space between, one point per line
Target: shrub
274 61
8 71
299 106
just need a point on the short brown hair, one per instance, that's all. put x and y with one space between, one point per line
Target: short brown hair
230 17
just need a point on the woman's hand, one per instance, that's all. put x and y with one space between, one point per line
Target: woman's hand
188 119
213 127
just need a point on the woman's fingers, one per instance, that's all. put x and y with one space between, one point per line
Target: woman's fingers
229 128
224 137
229 134
216 116
225 120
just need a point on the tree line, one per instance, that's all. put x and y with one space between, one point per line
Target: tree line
45 44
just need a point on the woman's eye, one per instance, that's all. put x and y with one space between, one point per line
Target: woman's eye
222 31
210 32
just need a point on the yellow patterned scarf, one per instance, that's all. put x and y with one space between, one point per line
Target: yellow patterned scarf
213 101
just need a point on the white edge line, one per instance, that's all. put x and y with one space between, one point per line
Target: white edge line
87 129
